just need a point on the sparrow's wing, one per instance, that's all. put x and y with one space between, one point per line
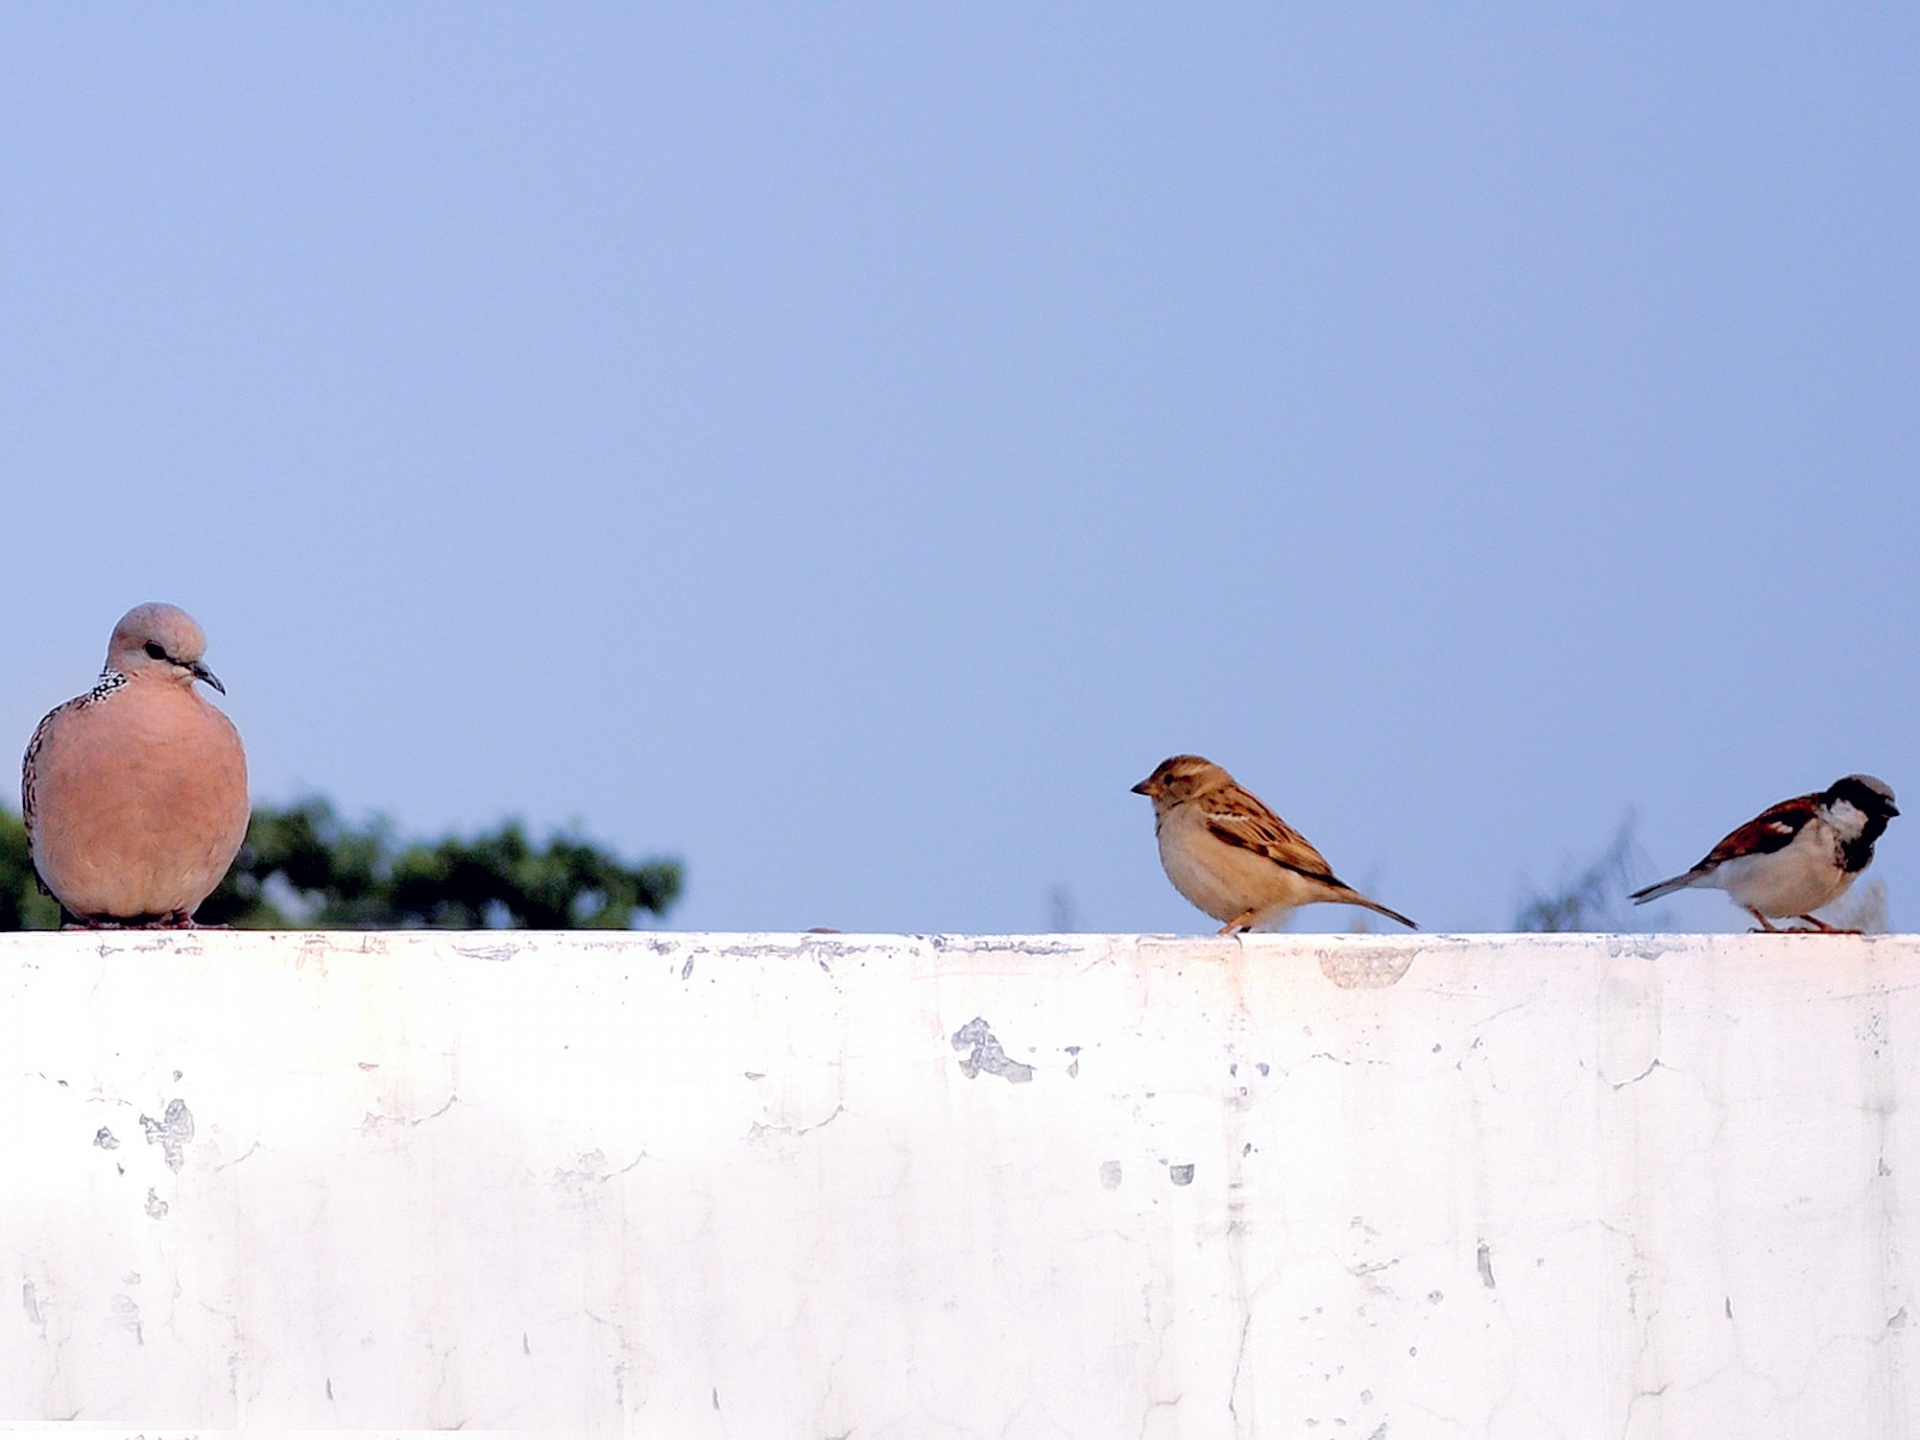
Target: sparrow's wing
1241 820
1767 832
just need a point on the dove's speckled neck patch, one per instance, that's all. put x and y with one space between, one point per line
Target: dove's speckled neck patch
110 680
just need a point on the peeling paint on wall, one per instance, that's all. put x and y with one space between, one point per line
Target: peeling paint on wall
986 1055
172 1132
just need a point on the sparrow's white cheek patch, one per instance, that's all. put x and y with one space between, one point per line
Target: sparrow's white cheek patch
1847 820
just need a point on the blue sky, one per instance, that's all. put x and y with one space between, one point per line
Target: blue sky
846 447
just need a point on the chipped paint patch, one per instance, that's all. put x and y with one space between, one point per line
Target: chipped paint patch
1366 969
171 1133
985 1054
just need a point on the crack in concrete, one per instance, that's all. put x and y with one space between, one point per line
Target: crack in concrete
376 1122
758 1131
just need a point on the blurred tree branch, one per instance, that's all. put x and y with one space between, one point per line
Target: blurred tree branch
1593 899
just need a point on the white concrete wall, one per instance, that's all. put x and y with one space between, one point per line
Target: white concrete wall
1349 1188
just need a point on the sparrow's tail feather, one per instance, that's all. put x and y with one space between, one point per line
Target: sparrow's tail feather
1665 887
1354 897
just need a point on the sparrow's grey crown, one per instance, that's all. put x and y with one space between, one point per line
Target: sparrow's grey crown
1865 793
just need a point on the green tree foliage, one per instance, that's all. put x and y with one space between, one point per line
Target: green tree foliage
305 868
22 906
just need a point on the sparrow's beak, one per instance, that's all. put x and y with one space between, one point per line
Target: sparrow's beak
1145 787
201 672
1891 810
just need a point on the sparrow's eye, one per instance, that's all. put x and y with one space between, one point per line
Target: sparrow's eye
155 652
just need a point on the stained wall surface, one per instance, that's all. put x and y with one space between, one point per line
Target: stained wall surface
878 1186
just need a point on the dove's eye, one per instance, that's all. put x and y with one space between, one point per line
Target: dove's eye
155 651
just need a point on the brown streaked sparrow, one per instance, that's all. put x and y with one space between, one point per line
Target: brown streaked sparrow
1232 856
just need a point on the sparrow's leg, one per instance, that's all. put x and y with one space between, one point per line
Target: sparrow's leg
1765 926
1822 927
93 922
1256 916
